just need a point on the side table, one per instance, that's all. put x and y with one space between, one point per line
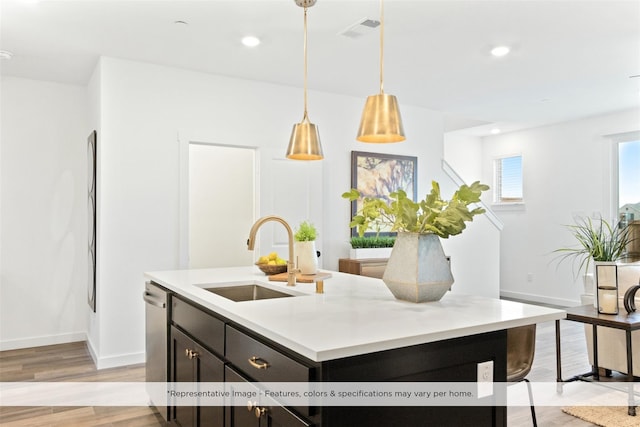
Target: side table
589 315
371 267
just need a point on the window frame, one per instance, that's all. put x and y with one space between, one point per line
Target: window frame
498 202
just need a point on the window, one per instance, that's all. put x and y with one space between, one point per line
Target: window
629 181
508 180
629 194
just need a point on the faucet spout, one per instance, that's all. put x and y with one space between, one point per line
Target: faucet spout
251 242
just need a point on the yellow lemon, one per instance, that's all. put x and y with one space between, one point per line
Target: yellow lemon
273 256
263 260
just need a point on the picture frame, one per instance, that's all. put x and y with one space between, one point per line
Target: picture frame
92 154
378 175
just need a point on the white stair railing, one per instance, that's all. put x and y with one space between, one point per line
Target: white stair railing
457 179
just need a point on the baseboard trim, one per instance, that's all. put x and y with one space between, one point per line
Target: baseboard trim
42 341
521 296
92 350
119 360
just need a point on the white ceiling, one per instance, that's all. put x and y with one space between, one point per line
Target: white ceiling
569 59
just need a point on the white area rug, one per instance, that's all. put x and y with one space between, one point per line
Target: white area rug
605 416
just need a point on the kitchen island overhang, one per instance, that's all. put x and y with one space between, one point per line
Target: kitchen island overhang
363 311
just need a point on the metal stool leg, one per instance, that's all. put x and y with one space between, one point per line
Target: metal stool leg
533 409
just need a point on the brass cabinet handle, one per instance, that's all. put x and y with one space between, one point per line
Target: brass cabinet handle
190 353
260 411
258 363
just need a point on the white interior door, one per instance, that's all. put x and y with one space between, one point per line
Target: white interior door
221 204
292 190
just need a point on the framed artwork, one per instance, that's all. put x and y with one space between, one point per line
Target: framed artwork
91 206
378 175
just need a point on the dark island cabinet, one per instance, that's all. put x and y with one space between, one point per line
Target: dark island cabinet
192 363
205 346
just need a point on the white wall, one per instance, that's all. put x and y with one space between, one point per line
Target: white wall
566 170
464 154
44 213
138 110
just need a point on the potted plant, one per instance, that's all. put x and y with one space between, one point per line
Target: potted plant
371 246
597 241
304 248
418 269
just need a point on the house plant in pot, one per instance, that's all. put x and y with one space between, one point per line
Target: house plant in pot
418 269
597 241
371 246
304 248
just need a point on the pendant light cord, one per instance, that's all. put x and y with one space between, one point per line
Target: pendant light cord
381 46
305 117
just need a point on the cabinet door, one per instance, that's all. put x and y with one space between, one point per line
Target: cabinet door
193 364
255 413
277 416
182 368
209 369
240 411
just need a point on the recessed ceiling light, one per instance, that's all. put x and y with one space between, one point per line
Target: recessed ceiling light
500 51
495 131
250 41
5 54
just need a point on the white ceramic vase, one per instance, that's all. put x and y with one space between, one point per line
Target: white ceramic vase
589 284
306 257
418 269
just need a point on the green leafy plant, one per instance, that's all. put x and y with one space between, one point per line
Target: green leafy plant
358 242
597 241
430 215
306 232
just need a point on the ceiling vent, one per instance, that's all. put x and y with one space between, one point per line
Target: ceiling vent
361 28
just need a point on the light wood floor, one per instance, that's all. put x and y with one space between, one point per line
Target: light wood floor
71 362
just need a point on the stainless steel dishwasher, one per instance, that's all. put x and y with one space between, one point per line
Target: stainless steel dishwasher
157 345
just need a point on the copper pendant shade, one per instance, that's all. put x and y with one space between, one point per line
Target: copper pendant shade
381 121
304 143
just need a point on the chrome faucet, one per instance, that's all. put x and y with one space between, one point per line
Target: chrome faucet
251 241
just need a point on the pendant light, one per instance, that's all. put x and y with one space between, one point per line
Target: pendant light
304 143
381 121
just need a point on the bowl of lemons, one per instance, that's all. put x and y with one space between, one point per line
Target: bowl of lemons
271 264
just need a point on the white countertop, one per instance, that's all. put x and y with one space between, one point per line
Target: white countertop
356 315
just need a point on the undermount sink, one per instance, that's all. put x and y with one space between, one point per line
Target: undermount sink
247 292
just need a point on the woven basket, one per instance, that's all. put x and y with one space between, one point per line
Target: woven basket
271 269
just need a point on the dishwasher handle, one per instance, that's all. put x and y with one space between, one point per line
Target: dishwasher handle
147 298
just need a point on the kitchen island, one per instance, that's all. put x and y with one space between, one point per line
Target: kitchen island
355 331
